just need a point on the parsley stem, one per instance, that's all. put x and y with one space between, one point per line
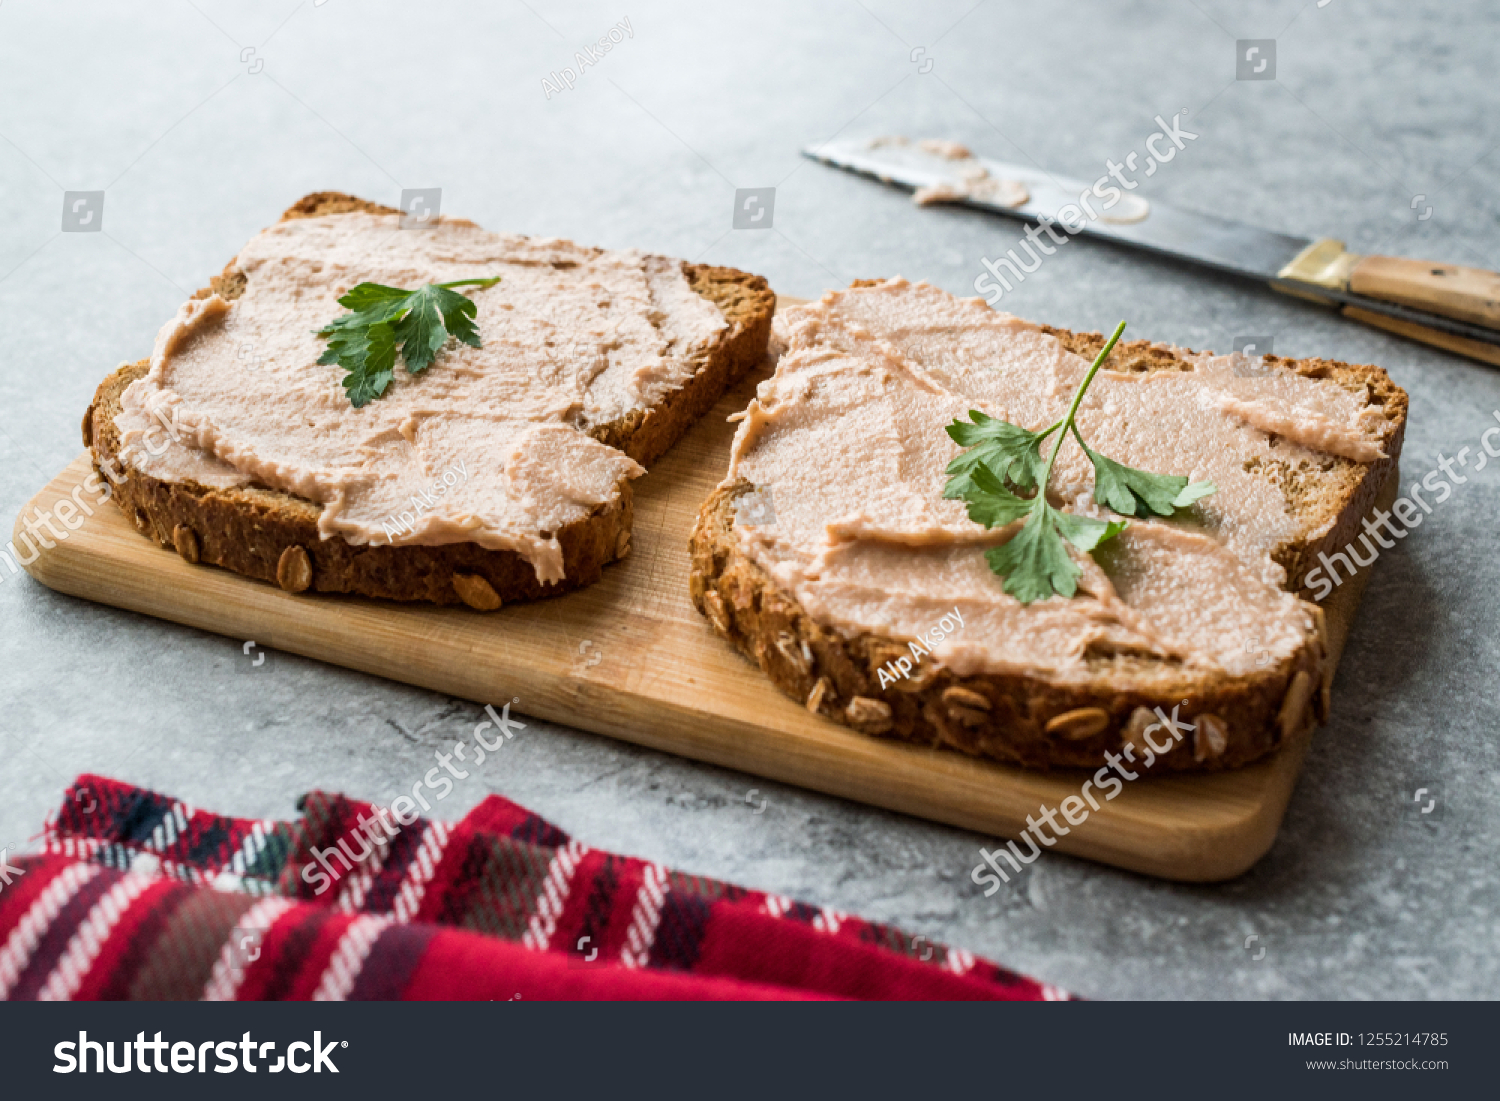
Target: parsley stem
471 283
1067 422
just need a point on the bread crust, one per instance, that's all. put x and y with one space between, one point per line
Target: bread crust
260 532
1030 719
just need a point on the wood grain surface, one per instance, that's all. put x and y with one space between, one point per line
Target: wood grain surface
631 658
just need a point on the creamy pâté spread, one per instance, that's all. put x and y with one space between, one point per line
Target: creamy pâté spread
573 338
963 176
968 178
849 435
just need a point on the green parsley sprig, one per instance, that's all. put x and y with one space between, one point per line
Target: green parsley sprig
1003 457
364 341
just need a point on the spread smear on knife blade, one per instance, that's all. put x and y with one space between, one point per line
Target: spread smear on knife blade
953 174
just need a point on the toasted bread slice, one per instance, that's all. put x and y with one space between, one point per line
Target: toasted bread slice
273 536
1031 717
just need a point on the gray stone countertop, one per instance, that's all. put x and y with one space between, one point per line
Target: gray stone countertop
201 121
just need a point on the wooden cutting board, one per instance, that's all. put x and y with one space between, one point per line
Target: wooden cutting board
631 658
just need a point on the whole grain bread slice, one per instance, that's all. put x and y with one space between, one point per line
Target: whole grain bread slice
1024 719
273 536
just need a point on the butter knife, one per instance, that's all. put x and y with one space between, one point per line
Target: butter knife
1451 307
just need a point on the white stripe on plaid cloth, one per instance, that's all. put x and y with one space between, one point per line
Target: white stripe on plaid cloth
352 895
83 947
423 865
38 919
229 969
349 958
645 918
549 906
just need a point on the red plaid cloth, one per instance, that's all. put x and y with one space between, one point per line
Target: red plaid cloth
139 896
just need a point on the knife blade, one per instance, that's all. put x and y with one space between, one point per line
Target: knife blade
1452 307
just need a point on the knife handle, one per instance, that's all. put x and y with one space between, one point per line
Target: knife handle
1470 295
1464 294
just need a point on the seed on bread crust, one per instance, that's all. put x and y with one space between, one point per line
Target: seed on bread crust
1294 706
792 654
713 607
869 716
918 680
1211 738
957 696
1080 723
294 570
1140 718
88 427
186 542
967 716
1320 622
966 706
476 592
622 545
1134 734
820 691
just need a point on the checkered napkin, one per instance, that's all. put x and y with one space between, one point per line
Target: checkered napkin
139 896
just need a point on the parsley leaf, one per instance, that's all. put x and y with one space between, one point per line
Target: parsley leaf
364 340
1133 492
1035 562
377 347
1011 452
990 502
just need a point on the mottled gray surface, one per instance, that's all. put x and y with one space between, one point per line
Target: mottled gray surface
1375 104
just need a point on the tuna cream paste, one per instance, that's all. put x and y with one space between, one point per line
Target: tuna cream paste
849 435
574 338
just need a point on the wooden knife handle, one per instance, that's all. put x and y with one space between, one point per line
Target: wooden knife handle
1464 294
